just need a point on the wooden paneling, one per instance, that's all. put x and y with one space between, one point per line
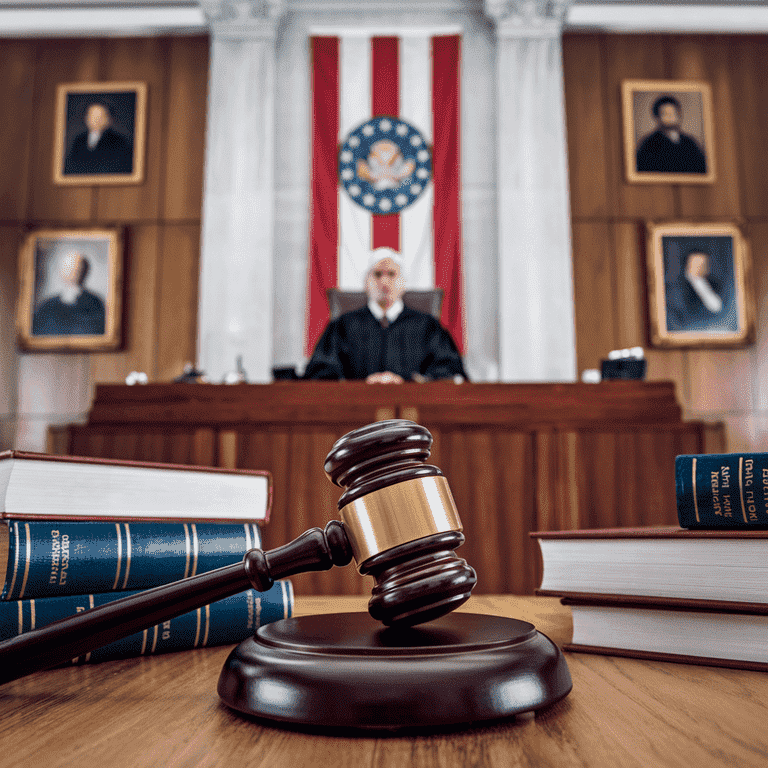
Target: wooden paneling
17 63
161 259
184 140
585 115
10 238
749 102
177 296
594 292
609 217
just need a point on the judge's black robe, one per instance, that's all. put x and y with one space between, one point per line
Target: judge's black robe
355 345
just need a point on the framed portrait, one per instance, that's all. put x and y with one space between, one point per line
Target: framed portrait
668 132
100 133
70 289
700 285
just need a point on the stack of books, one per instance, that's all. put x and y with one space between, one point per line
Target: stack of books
695 594
77 533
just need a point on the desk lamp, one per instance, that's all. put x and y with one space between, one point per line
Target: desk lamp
408 662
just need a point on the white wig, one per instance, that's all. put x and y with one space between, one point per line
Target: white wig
385 253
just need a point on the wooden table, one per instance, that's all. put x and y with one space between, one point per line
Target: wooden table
164 711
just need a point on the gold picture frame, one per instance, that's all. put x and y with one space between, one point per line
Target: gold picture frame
699 285
100 133
668 132
70 290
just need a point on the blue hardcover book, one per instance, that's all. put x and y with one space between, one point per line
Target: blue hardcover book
220 623
722 490
47 558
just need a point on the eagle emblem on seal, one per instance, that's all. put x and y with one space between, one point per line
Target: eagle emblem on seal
384 165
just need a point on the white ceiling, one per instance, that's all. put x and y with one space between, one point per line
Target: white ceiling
77 18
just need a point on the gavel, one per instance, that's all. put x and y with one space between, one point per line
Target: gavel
398 521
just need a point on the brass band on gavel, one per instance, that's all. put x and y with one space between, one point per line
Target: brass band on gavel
376 522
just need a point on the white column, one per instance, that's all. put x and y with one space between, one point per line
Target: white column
536 323
236 261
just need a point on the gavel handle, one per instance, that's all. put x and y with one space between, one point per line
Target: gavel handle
61 641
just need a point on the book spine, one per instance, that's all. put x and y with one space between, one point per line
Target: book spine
51 558
722 490
220 623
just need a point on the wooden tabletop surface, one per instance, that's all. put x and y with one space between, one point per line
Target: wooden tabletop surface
164 711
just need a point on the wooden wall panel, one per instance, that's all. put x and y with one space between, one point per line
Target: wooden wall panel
10 238
750 109
143 59
586 124
631 292
708 59
594 289
758 235
141 257
184 141
58 61
177 296
17 63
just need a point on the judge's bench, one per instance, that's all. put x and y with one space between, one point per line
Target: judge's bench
518 457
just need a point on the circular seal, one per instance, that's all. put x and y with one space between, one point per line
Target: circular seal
385 164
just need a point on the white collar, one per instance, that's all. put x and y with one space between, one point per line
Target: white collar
392 313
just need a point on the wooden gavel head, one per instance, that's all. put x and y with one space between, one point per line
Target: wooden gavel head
401 522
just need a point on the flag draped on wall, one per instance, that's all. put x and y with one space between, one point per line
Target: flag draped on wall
385 166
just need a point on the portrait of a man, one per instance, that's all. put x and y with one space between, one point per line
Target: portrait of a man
699 285
668 132
100 133
74 308
69 296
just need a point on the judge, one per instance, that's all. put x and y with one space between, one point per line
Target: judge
385 342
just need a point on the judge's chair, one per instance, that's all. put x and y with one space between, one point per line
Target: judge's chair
429 301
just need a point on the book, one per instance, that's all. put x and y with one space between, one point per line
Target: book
78 488
225 621
665 632
45 558
688 568
722 490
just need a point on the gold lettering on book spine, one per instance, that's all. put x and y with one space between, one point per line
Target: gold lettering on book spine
741 488
21 617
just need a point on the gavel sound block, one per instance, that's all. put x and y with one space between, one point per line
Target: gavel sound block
426 667
408 662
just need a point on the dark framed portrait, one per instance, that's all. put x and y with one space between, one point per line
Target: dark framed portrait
700 285
70 288
668 132
100 133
